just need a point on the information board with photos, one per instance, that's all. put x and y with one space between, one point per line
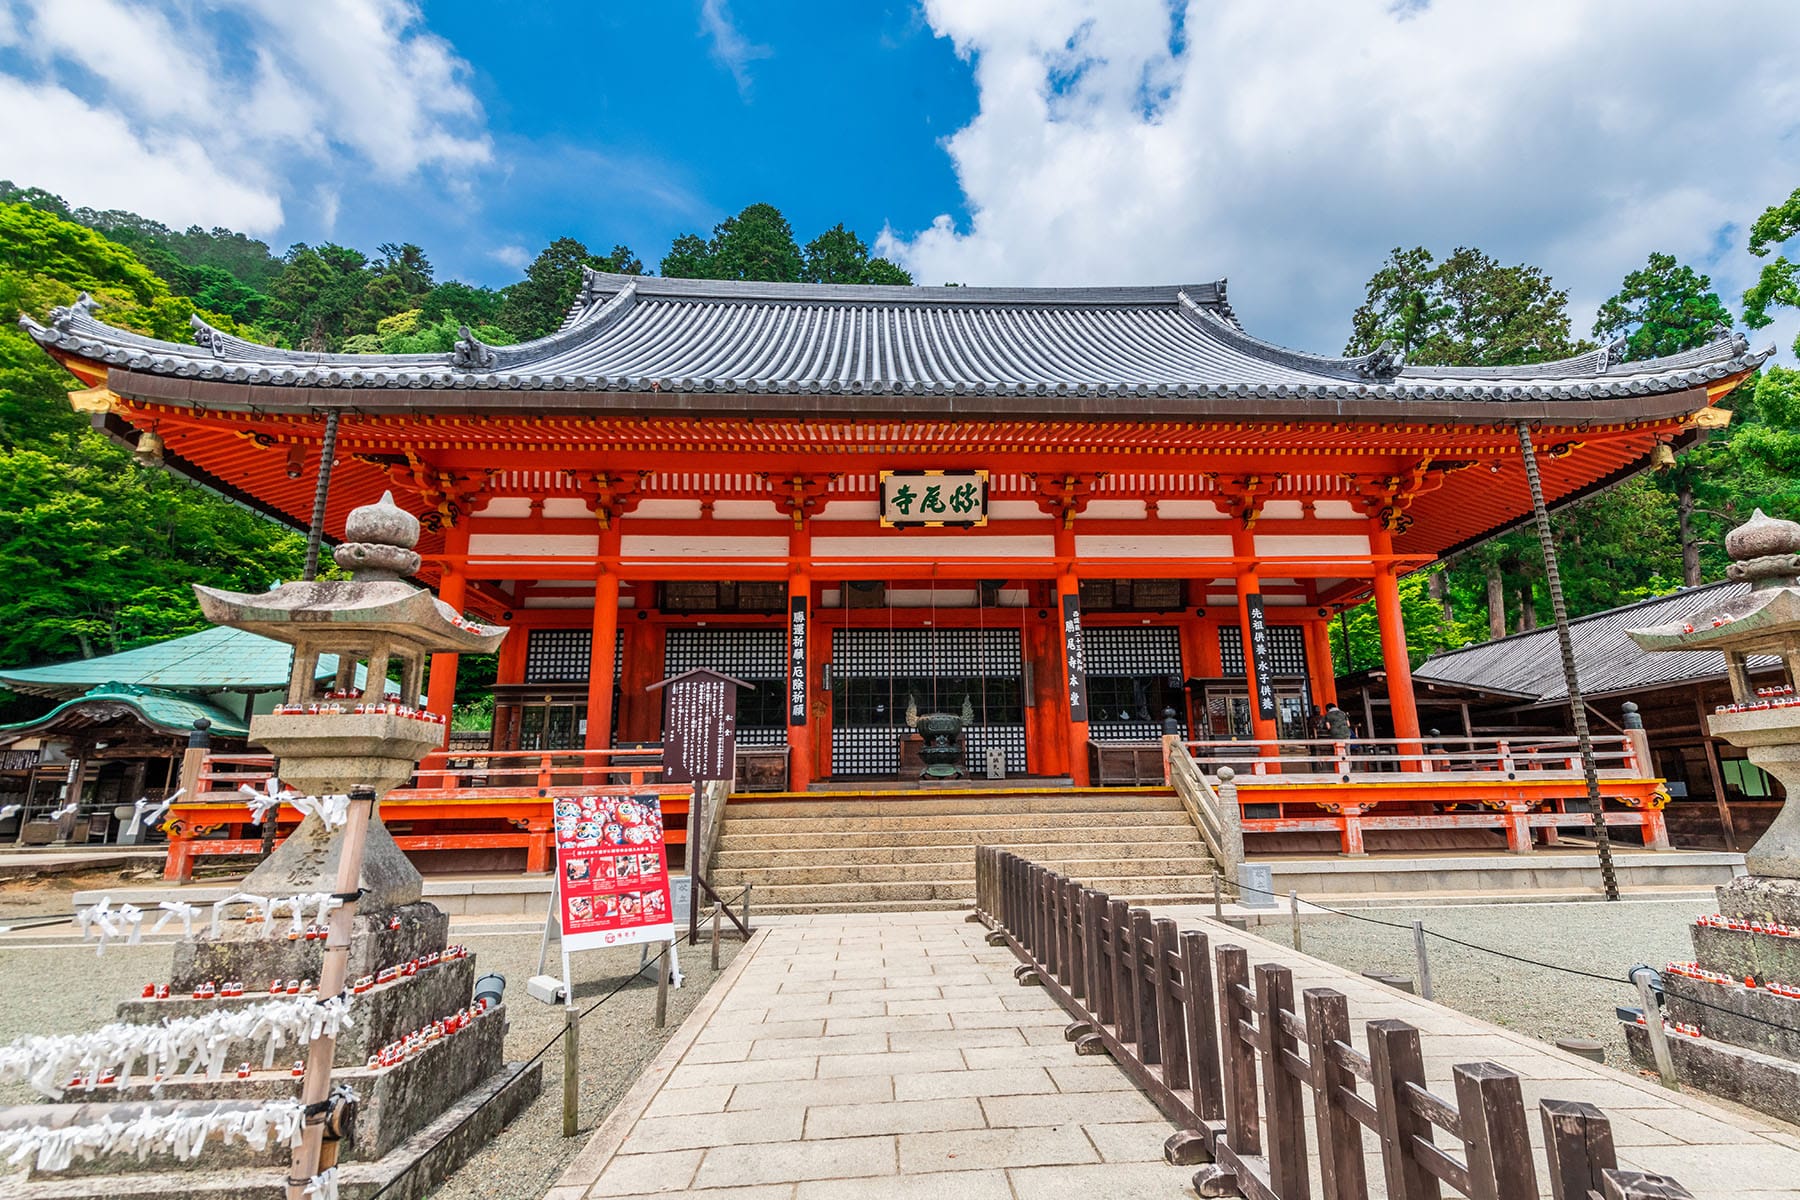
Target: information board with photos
612 871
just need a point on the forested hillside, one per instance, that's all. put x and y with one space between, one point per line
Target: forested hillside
98 552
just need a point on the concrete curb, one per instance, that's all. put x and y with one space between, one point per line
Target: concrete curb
606 1139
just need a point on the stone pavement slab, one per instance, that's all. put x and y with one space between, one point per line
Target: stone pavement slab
882 1058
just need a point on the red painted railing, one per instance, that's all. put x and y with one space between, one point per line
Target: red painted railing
482 800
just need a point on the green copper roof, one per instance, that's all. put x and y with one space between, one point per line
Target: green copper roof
175 714
212 660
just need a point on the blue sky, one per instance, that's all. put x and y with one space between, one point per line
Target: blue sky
1287 147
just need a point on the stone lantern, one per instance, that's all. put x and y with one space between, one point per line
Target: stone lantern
1736 1006
378 621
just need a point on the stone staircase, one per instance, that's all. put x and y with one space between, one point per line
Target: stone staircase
899 853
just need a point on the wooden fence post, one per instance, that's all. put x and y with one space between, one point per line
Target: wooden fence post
1143 990
1237 1060
1284 1110
1093 916
1496 1140
1071 947
1202 1030
1578 1145
1171 1030
1395 1061
1341 1172
1119 919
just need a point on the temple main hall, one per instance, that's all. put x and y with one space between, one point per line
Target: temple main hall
1068 514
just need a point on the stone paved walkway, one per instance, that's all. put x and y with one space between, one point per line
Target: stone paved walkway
885 1056
893 1056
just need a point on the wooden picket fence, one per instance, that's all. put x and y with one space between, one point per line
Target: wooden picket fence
1232 1057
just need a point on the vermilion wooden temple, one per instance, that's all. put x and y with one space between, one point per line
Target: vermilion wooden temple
870 500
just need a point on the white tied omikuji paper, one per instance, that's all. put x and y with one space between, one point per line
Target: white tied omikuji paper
109 922
142 810
47 1062
324 1185
319 904
332 811
183 1135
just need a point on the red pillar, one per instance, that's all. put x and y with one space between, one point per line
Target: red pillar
1324 670
1402 708
800 614
1243 548
600 654
453 589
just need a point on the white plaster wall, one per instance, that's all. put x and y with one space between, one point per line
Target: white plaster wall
923 545
668 545
744 510
1171 545
1190 510
1309 545
665 510
533 545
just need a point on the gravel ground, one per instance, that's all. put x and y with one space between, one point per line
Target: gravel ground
61 986
1602 939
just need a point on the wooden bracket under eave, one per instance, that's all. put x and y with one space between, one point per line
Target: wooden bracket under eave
98 399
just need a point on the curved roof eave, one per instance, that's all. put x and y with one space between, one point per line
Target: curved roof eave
643 335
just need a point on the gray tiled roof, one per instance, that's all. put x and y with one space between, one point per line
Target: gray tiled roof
642 333
1529 665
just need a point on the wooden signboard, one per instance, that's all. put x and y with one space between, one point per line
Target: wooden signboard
1075 650
699 726
797 633
1256 657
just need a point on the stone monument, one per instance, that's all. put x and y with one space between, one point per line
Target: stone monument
1735 1008
424 1059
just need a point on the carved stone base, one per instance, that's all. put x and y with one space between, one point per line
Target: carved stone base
306 861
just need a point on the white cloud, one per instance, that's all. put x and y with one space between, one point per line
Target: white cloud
515 256
213 116
729 45
57 141
1291 146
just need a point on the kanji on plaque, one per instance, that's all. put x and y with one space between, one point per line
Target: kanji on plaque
1261 670
612 871
1075 651
797 660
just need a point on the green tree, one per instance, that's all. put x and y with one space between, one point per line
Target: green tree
98 551
536 305
758 244
1466 311
1661 309
839 256
1778 285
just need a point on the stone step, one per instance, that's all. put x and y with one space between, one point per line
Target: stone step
833 873
772 898
731 858
852 837
940 803
736 823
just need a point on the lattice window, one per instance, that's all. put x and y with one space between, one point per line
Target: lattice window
558 655
876 751
1133 650
1287 650
756 656
882 666
943 652
562 655
747 654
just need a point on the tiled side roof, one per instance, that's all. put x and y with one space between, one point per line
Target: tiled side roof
171 713
645 334
217 659
1530 664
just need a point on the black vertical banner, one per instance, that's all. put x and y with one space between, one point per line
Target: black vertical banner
1257 657
1075 650
797 622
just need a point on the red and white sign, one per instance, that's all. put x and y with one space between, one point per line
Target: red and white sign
612 872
